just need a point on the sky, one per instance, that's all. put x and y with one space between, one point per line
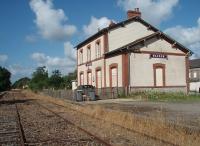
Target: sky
37 33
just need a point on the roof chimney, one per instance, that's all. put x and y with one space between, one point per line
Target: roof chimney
133 13
111 23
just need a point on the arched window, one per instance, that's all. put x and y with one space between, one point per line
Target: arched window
113 75
98 78
81 78
89 77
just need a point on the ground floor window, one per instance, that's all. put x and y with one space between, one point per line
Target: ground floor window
98 78
113 75
81 78
89 78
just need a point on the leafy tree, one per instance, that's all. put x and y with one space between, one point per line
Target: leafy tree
68 79
56 80
21 83
5 83
39 79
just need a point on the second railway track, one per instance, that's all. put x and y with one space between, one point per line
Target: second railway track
11 131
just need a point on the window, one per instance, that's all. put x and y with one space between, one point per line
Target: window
81 56
81 78
98 79
195 75
114 77
88 54
89 79
98 49
189 75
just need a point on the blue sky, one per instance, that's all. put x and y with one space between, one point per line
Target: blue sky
43 32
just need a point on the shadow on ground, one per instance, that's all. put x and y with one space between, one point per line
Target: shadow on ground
10 102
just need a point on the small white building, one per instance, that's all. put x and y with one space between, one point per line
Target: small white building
194 75
130 56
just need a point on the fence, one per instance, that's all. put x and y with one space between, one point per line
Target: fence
110 93
103 93
65 94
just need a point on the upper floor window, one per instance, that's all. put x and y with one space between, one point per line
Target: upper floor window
81 56
88 53
98 49
195 75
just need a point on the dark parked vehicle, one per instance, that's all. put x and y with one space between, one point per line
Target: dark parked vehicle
85 92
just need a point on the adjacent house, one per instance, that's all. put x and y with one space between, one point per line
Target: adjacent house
194 75
131 56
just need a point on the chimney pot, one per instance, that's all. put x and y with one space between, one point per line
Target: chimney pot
133 13
111 23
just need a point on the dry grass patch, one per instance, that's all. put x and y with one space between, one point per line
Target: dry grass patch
157 127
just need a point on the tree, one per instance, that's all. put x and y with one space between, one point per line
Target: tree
21 83
39 79
5 83
68 79
56 80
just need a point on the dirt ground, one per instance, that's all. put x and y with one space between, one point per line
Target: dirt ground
43 127
187 114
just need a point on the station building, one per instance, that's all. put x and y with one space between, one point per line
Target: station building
131 56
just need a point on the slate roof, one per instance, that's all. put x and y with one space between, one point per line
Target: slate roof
138 19
195 63
120 24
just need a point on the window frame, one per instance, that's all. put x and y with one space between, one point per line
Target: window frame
81 56
194 74
112 66
98 49
88 55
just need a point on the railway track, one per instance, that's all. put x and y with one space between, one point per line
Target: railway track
95 138
131 130
24 124
14 128
11 130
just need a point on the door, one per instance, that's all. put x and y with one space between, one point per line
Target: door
81 79
89 78
114 77
98 78
159 77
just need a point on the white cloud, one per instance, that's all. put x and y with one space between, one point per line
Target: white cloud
3 58
69 51
154 11
31 38
65 64
17 69
95 24
189 36
51 22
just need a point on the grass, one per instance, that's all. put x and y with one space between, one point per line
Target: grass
164 97
156 127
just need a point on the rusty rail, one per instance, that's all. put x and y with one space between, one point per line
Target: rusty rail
78 127
14 122
131 130
21 131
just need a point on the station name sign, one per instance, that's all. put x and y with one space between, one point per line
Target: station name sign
158 55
